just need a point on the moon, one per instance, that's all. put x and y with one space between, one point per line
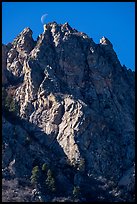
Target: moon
43 18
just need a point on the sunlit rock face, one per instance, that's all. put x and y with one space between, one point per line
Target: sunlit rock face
74 93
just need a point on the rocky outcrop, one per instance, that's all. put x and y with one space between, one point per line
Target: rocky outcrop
72 93
5 50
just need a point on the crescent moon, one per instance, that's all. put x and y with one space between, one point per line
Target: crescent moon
43 17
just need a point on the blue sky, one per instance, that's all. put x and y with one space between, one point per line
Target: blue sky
114 20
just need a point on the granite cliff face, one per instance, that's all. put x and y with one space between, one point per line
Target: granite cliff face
76 112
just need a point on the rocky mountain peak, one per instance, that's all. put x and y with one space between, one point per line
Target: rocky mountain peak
24 41
26 32
105 41
73 113
63 27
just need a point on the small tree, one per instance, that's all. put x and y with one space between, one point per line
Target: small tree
76 191
35 175
81 165
9 103
50 182
44 167
4 95
13 106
